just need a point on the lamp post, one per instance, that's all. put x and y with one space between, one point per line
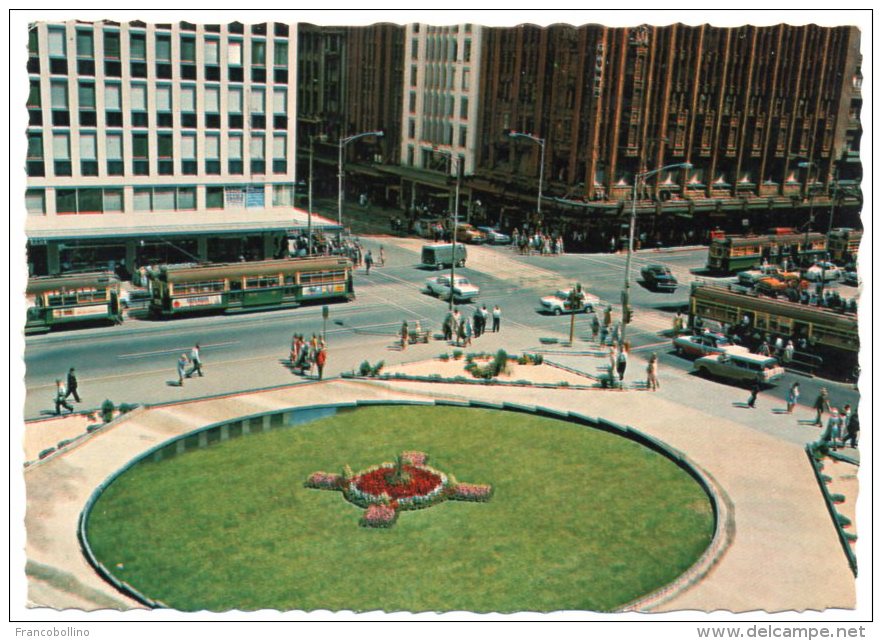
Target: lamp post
626 292
455 161
807 165
342 143
541 142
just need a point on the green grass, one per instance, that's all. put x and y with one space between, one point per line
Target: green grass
580 519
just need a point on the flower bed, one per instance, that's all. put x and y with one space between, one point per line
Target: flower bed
386 489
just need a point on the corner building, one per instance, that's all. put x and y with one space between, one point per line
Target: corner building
158 143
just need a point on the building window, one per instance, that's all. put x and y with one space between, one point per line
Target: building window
164 199
88 154
90 201
214 197
258 164
35 104
234 61
186 199
466 79
163 56
258 107
138 102
280 154
412 105
414 48
61 153
234 107
280 108
58 95
188 106
212 154
35 154
85 52
188 57
66 201
212 51
410 155
140 155
35 201
234 155
113 201
258 61
143 199
57 51
88 115
283 196
464 108
280 62
112 66
164 116
113 105
212 107
467 50
188 154
33 49
114 146
463 136
138 54
165 154
411 128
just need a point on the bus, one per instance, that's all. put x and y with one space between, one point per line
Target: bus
239 287
58 301
736 253
843 245
830 335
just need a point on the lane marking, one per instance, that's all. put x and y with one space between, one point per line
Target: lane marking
175 349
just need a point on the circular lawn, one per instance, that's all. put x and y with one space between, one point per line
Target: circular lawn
579 519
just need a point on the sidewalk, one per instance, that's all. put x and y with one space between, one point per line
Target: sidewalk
784 555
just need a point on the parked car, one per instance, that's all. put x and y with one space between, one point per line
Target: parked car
823 270
704 344
466 233
772 286
659 277
559 303
494 236
741 367
750 277
851 278
463 290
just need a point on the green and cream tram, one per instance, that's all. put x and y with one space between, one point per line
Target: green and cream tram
736 253
843 245
58 301
238 287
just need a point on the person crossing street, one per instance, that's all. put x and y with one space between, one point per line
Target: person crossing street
195 361
72 385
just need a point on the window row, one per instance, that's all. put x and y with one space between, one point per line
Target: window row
111 200
211 55
165 154
188 106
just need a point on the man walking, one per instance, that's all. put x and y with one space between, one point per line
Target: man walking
622 363
320 359
60 398
497 317
485 316
822 404
72 385
754 392
182 369
196 361
368 262
652 372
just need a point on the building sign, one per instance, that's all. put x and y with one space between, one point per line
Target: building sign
254 197
196 301
235 197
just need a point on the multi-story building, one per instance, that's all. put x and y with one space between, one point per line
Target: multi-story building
159 142
767 117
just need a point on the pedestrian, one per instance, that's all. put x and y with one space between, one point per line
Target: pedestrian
763 349
404 335
595 327
195 361
477 321
485 316
792 397
622 362
822 404
447 326
72 385
497 317
789 350
182 369
368 262
678 324
831 433
754 392
607 316
320 359
652 373
852 429
382 256
61 398
467 333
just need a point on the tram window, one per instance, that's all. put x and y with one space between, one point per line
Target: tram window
290 279
89 295
260 282
61 298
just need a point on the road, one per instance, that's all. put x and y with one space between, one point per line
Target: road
135 362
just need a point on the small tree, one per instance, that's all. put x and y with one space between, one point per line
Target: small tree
107 411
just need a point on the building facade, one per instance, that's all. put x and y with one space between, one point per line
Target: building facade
158 143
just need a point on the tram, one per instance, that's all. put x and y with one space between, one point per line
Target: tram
843 245
59 301
736 253
240 287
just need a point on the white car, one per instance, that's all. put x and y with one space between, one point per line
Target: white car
559 303
495 237
462 289
824 270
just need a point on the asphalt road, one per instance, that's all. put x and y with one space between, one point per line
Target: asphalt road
135 362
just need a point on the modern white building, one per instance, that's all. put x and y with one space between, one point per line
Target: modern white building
159 142
440 108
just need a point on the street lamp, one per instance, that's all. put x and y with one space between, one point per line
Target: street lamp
626 293
454 160
342 143
541 142
807 165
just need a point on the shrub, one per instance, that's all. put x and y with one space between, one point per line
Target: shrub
850 536
107 411
837 498
825 478
471 492
538 359
324 481
378 515
125 408
843 520
499 364
364 369
457 354
445 356
46 452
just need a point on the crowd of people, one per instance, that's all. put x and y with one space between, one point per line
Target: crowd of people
308 357
461 329
538 242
